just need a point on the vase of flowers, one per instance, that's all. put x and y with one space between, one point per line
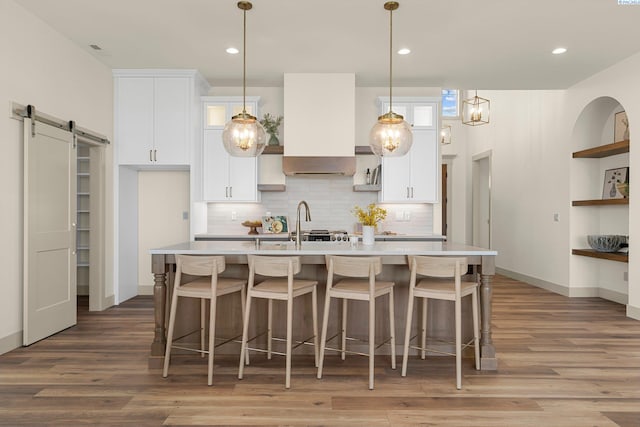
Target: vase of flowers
271 125
369 219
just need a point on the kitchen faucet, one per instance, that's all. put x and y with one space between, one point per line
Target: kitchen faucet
308 218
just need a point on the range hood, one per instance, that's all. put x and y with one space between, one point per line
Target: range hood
319 126
295 165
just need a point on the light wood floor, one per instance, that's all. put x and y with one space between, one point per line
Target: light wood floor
562 362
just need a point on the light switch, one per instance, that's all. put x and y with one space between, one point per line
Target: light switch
234 215
185 215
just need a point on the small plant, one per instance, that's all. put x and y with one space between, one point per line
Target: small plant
271 123
372 216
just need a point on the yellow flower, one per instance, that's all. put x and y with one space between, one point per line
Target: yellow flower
371 216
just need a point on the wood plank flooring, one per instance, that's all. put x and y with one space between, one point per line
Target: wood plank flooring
562 362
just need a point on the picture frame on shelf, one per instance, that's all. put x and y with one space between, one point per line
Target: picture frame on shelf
621 127
611 178
275 224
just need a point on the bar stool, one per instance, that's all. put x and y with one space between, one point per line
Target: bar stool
356 287
208 286
280 285
434 287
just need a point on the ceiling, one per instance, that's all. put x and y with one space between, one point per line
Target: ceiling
484 44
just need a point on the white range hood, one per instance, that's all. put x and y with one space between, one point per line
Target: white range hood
319 125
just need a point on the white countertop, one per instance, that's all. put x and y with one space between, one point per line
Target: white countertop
204 247
284 236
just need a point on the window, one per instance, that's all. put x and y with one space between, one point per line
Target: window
450 103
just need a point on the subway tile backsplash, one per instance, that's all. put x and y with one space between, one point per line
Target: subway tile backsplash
331 200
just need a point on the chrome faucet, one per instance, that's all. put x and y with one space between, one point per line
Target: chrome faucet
307 218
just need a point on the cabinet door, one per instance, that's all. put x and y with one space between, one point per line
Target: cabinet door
396 178
243 179
215 167
134 120
424 166
171 119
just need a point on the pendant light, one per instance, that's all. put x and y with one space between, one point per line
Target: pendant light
475 111
244 136
391 135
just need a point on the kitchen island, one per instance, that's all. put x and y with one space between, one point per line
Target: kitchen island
393 254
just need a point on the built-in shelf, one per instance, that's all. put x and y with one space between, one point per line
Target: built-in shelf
279 149
366 187
272 187
82 194
611 256
83 264
600 202
603 150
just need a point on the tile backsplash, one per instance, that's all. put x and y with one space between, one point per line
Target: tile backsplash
330 199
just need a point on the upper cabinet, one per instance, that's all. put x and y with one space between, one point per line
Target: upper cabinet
156 115
226 178
413 178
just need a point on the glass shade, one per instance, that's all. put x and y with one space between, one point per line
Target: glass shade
244 136
391 136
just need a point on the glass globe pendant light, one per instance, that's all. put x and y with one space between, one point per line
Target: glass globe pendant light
391 135
244 136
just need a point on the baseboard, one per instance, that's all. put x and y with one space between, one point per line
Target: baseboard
10 342
633 312
589 292
145 290
553 287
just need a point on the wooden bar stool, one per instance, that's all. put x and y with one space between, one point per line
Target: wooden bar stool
280 285
208 286
356 287
435 286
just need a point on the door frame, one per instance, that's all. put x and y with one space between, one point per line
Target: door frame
481 188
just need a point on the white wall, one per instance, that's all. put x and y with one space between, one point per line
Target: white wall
528 137
42 68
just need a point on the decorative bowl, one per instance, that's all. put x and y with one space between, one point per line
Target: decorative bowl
606 242
623 188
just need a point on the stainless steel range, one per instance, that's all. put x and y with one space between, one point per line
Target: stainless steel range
322 236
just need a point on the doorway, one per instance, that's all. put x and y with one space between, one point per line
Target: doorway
481 199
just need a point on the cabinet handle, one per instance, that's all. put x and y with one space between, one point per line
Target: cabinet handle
226 192
231 192
155 158
151 155
407 192
412 192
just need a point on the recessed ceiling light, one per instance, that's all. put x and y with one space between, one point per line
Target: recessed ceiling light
559 50
404 51
232 50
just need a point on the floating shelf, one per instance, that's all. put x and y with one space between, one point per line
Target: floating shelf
600 202
273 149
366 187
612 256
603 150
272 187
363 149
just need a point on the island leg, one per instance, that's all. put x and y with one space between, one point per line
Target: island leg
488 360
159 270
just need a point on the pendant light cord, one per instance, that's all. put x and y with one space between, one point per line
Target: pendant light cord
390 58
244 62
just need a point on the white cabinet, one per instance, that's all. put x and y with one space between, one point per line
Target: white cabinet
155 113
413 178
226 178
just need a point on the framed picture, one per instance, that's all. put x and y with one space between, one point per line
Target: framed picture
621 127
611 178
275 224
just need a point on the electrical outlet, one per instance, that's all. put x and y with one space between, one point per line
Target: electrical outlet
185 215
234 215
556 217
399 215
407 215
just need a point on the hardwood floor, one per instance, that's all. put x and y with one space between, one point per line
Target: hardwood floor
562 362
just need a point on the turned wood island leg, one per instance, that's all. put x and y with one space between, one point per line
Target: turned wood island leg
488 360
159 270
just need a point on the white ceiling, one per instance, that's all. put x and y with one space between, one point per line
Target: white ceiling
485 44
